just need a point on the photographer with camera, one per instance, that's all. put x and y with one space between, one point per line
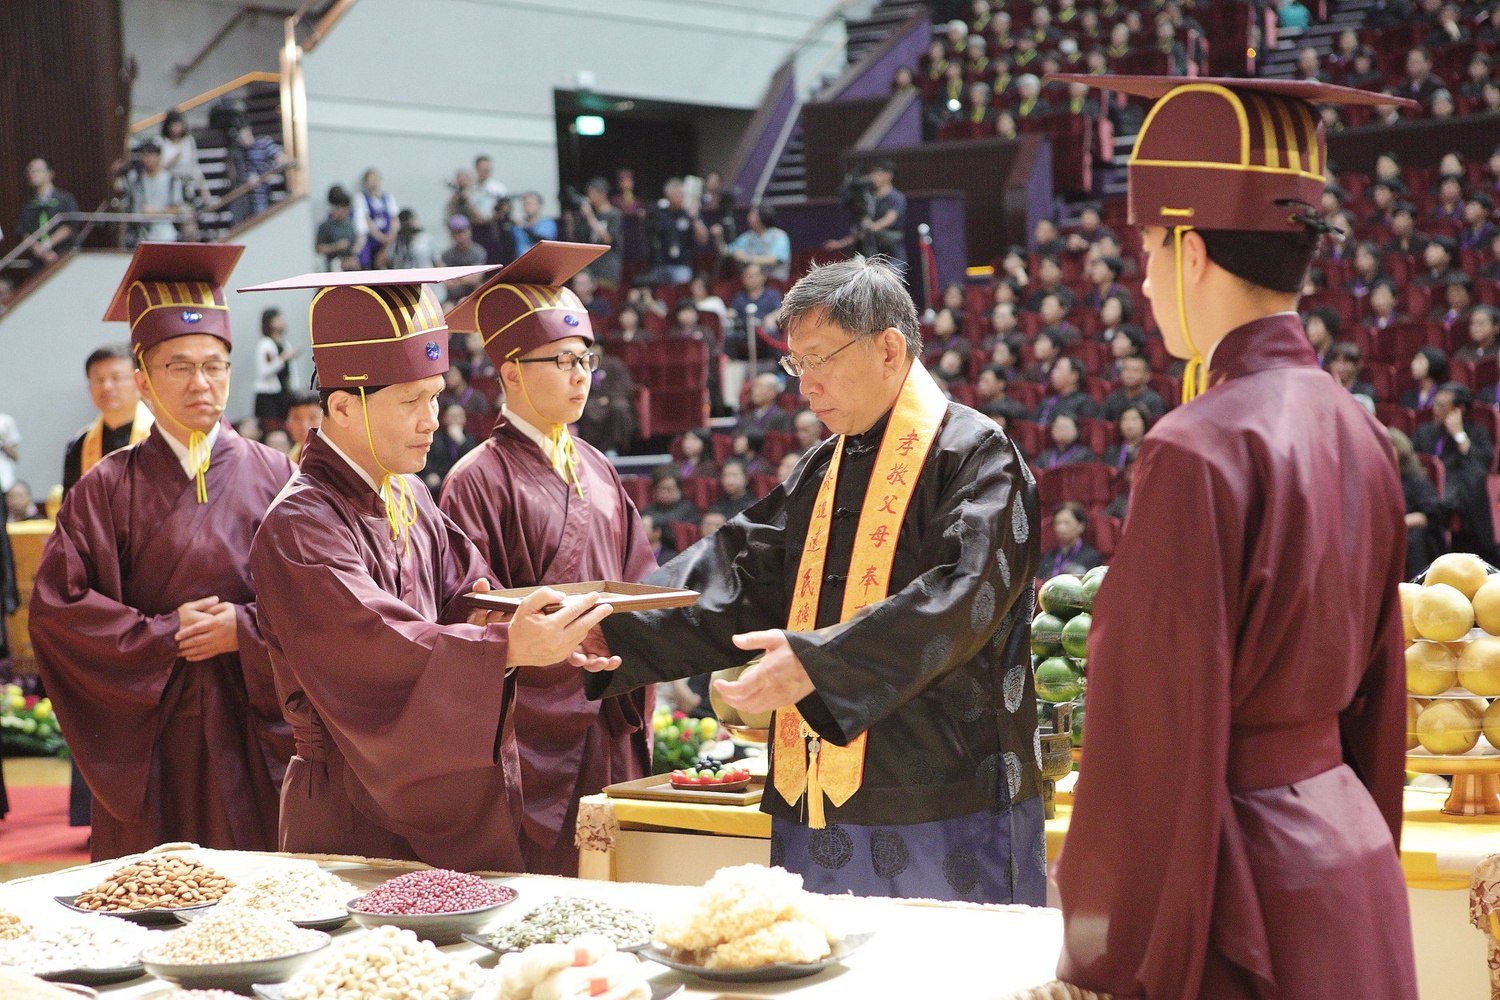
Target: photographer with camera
497 234
674 233
592 219
150 188
532 227
879 212
761 244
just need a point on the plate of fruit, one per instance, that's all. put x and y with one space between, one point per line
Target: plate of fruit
726 778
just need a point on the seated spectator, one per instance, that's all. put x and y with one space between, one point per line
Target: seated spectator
674 235
1429 368
1367 270
1080 102
1132 423
1046 351
1385 196
1457 298
1476 75
956 33
1491 271
1046 239
151 189
990 395
533 227
951 370
788 465
1426 515
1343 364
764 415
609 419
1066 448
903 80
1341 59
736 486
1448 29
933 63
1487 28
449 444
336 237
1029 103
1048 282
1119 41
1449 206
978 113
1114 321
1437 261
1135 390
667 502
457 392
1003 324
952 298
707 302
1166 43
1091 229
478 365
946 335
586 288
1466 451
685 324
808 429
1005 126
1484 336
697 455
1309 67
20 505
642 295
628 326
1071 554
462 252
1127 343
1405 239
659 538
1478 231
1120 505
410 247
1322 327
1005 354
1066 379
1364 71
1104 276
762 243
1419 83
747 450
1055 321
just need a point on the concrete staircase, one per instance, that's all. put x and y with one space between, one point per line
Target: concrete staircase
1281 62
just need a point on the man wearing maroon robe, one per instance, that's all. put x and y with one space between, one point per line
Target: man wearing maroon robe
547 507
143 616
401 708
1235 824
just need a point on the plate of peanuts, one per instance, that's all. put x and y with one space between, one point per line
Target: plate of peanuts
152 890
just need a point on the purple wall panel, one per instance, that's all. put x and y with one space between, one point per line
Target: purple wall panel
875 79
765 144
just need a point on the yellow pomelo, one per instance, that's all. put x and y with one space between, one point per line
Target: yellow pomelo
1479 666
1442 613
1448 726
1411 723
1490 722
1431 668
1487 606
1409 592
1462 571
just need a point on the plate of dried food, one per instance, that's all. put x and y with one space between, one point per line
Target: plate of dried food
772 973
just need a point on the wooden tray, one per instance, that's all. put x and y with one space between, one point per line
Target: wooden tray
658 788
620 596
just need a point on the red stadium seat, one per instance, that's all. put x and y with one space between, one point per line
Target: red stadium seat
1097 434
685 534
703 491
1030 436
1488 418
638 488
1105 531
642 397
761 484
1087 483
776 445
1434 468
1399 417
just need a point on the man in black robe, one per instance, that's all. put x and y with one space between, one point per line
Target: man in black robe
898 558
1467 453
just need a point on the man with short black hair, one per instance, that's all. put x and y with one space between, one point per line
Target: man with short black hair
762 243
336 235
888 582
1067 396
123 419
1269 480
46 203
1135 390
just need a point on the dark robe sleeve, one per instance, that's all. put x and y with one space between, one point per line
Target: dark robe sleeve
1144 842
73 462
384 680
977 561
738 570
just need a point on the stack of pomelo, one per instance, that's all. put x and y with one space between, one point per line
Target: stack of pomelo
1060 640
1452 666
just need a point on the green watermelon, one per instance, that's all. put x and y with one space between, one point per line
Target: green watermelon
1062 596
1056 681
1046 635
1075 636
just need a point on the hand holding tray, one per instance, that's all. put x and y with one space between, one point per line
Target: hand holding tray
620 596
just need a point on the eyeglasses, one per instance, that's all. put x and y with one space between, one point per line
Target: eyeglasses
797 367
183 371
566 361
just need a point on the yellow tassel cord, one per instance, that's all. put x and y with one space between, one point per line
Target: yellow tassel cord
816 819
400 501
199 454
564 452
1195 375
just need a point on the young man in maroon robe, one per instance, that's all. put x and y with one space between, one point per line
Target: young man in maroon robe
143 616
546 507
400 704
1236 821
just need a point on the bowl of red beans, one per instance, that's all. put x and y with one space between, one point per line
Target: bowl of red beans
439 905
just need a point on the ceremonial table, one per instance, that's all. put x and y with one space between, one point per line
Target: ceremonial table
670 842
919 949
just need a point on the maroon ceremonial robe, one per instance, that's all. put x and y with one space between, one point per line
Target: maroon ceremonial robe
404 743
536 529
172 750
1235 823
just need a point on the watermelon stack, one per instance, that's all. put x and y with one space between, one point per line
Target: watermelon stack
1060 644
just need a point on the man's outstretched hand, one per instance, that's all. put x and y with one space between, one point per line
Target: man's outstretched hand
777 681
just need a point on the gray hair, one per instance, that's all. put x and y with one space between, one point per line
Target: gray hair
864 296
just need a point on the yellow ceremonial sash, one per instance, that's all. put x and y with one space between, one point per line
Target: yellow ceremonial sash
93 438
802 762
